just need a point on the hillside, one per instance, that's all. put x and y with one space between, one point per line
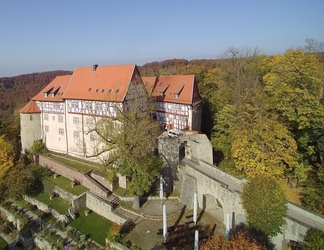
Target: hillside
16 91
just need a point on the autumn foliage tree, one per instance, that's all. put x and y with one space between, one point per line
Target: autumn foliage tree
265 204
236 242
127 144
7 152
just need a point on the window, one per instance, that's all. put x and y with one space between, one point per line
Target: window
60 118
31 117
75 120
46 117
89 121
98 106
76 134
88 105
53 118
46 128
93 137
61 131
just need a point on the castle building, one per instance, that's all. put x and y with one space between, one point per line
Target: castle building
60 113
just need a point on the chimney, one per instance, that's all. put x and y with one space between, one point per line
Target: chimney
94 67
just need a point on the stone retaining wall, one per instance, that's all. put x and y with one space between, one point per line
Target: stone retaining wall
103 208
98 185
45 208
12 218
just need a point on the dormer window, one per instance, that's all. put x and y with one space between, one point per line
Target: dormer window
55 90
48 91
177 94
89 89
162 92
109 91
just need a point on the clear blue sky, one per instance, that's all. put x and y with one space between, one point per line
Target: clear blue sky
38 35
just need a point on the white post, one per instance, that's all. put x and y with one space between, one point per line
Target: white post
227 226
161 188
165 226
195 209
196 242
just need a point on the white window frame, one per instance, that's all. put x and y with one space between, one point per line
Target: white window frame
76 120
76 135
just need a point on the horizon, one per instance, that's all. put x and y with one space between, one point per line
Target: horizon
43 36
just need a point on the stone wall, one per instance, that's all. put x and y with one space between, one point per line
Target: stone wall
64 194
101 188
30 129
61 169
78 203
12 218
103 208
102 179
45 208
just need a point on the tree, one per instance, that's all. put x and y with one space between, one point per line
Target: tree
264 147
126 144
313 192
236 242
23 180
6 156
314 239
295 88
265 204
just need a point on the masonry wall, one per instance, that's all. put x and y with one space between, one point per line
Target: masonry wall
46 208
30 129
103 208
89 180
78 203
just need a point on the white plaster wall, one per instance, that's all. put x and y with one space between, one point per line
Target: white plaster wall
75 145
52 139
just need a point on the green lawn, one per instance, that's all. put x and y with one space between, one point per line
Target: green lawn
57 203
3 244
65 183
93 225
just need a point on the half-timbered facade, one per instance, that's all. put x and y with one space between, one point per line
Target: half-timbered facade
177 101
66 109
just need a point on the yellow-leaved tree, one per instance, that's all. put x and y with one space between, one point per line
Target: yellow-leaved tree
6 156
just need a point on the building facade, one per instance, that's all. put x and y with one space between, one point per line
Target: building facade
63 113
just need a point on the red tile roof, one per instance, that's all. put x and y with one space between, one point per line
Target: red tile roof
106 83
30 108
176 89
54 90
149 82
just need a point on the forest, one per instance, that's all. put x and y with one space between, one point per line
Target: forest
263 114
